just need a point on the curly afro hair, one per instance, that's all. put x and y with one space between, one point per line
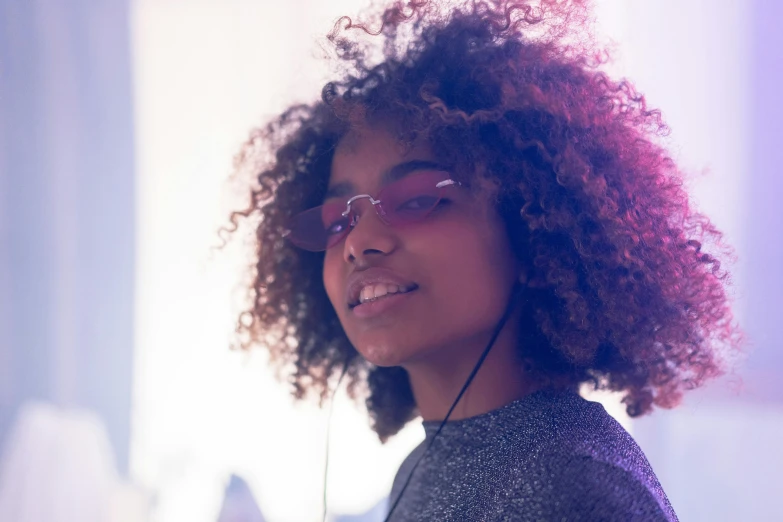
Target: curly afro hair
620 291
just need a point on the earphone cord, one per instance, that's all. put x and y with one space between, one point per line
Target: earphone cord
495 334
328 431
498 328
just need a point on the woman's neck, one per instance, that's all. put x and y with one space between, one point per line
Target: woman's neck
437 381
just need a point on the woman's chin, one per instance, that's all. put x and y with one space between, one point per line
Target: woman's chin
384 355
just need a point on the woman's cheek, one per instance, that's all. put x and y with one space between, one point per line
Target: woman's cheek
331 275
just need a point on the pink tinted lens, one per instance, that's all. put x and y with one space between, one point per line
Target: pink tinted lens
411 198
405 201
319 228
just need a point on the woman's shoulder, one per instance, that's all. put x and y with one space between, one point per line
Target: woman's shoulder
585 462
583 487
564 423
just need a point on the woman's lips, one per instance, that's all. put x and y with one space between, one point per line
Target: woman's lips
381 305
371 276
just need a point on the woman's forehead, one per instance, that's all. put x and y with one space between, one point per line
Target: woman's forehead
370 151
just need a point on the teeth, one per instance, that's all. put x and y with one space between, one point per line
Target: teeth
372 292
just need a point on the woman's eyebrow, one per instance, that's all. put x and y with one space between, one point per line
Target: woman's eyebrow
399 171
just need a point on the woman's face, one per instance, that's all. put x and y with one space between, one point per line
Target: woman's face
458 257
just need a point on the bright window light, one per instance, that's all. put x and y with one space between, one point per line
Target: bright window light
205 73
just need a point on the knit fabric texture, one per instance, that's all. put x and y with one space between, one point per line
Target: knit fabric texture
549 456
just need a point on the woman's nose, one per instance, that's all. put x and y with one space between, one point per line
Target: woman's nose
370 235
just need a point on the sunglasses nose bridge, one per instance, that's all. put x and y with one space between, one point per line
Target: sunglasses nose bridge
349 209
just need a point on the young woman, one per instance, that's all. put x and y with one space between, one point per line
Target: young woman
469 230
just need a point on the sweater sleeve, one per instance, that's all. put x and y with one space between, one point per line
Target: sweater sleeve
580 488
591 489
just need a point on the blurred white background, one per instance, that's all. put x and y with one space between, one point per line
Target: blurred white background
118 124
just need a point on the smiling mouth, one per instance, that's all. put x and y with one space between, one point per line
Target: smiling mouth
380 297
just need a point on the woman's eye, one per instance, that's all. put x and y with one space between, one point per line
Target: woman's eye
442 202
336 227
423 202
414 204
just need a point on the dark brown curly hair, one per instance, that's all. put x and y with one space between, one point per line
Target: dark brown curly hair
620 291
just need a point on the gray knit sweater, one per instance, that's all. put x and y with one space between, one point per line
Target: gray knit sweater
550 456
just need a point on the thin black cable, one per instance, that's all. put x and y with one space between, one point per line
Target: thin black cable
498 328
328 432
